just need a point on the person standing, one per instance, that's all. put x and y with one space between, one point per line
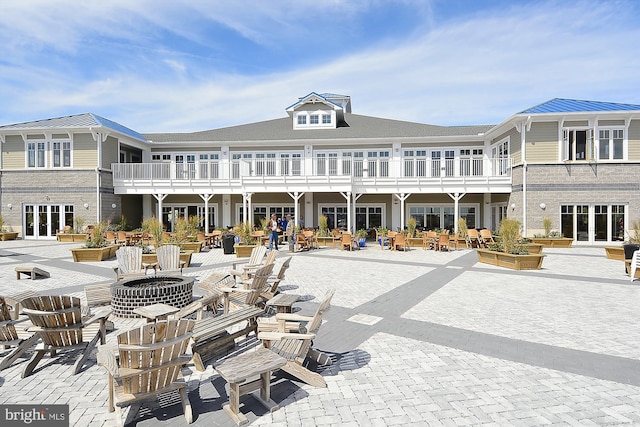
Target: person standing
289 232
273 225
283 225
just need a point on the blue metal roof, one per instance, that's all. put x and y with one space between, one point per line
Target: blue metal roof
560 105
118 127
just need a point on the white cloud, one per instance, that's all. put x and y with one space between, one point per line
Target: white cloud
477 70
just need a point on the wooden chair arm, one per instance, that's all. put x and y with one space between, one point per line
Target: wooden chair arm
293 317
107 357
277 336
100 314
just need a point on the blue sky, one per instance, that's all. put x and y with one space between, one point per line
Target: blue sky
190 65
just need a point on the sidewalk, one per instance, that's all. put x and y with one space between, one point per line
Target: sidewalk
418 338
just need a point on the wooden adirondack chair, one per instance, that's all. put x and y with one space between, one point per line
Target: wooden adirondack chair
169 259
234 298
247 271
296 347
10 336
255 259
130 263
149 363
271 289
58 322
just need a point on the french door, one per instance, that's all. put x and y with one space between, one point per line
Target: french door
44 221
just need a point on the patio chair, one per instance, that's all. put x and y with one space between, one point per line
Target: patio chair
295 347
473 238
10 336
635 265
271 288
130 263
256 259
149 363
443 242
234 298
57 320
401 242
336 237
212 285
311 236
349 242
486 237
302 243
122 239
169 259
453 240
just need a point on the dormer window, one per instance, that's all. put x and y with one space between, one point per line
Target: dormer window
302 119
326 119
313 119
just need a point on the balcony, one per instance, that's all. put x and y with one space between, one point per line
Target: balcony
319 174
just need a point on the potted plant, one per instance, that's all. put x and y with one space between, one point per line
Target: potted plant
245 240
463 231
186 234
412 223
509 252
97 248
4 234
381 235
154 229
551 239
361 235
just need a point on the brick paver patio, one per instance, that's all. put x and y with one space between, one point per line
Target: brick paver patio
417 338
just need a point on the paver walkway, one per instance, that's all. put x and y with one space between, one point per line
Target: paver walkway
417 338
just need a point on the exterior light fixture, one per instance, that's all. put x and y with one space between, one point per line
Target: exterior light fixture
10 206
86 205
113 205
543 206
513 206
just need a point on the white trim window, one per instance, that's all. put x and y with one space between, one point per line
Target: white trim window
326 119
611 144
314 119
36 154
302 119
578 144
61 154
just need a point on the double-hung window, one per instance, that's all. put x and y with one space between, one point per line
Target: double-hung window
61 154
326 119
313 119
611 144
36 154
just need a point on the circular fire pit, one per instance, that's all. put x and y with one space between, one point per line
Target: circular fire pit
129 294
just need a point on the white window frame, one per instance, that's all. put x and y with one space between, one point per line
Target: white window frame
62 143
39 146
610 142
589 144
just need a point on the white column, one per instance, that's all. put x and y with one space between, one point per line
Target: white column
160 198
296 205
456 209
402 197
206 198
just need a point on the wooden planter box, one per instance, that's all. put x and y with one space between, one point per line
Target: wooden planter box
615 252
71 237
93 254
535 248
515 262
8 236
191 246
560 242
325 241
414 242
243 251
153 258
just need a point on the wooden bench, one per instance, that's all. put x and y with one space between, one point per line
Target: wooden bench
211 338
32 272
239 369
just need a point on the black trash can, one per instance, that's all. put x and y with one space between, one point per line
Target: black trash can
228 240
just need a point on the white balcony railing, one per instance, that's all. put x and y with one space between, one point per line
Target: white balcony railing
238 171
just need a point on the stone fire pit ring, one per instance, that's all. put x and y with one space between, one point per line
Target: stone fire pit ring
129 294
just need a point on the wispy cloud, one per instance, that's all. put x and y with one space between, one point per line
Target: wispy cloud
467 69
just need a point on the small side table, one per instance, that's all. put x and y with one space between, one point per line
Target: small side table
238 369
156 312
283 302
